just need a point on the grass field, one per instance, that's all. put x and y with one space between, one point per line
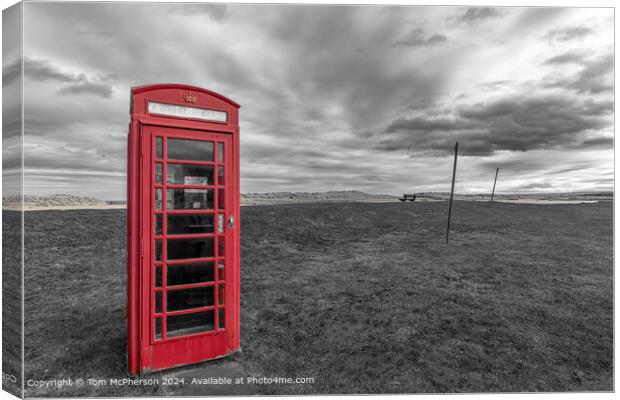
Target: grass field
11 302
365 298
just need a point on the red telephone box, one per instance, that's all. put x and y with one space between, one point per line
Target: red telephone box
183 229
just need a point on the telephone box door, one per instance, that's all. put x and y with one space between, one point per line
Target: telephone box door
190 223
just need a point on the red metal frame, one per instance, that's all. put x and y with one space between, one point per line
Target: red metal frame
145 352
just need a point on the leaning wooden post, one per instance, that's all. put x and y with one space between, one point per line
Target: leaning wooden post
456 153
494 182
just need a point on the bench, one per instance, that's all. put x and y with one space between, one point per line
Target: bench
407 197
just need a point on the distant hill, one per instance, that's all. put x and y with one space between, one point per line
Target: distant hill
53 201
314 197
521 197
68 201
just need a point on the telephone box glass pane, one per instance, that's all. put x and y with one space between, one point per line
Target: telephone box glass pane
159 148
187 324
158 174
158 199
220 246
182 149
157 302
190 248
221 199
221 295
158 224
158 250
158 277
222 318
189 199
157 328
220 272
220 152
190 298
184 274
220 176
179 224
194 175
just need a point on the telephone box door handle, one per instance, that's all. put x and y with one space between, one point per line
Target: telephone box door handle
231 221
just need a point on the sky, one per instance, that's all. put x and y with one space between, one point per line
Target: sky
369 98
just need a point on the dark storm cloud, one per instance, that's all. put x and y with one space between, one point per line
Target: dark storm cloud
71 162
270 151
418 38
477 15
523 164
517 123
11 106
11 124
595 76
573 56
11 71
330 60
569 33
425 124
45 119
11 153
603 142
104 91
496 85
539 120
329 101
42 70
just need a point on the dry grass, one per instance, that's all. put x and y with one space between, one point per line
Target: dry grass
367 298
11 302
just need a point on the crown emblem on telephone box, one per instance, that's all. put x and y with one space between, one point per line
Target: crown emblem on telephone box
190 98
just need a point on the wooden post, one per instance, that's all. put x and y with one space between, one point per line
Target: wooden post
494 182
456 153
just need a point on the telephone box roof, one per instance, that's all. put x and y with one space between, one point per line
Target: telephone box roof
148 88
